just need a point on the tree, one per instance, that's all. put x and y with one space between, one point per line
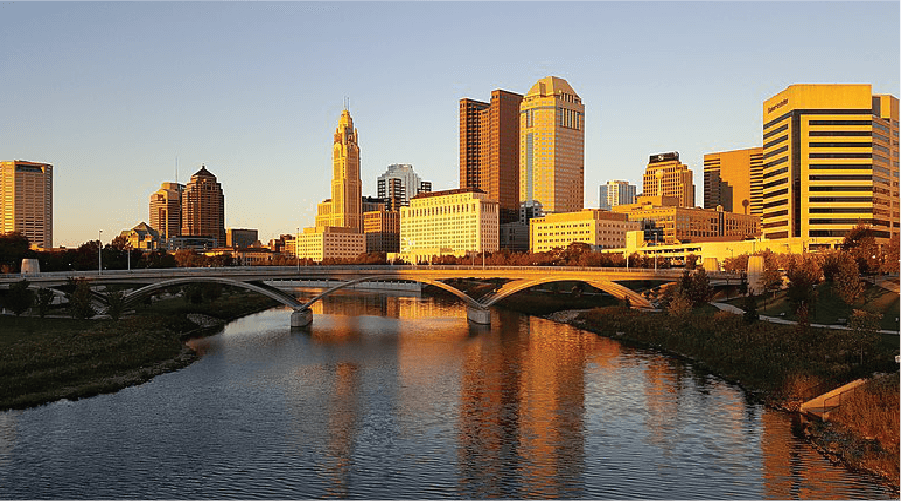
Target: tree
860 241
700 291
865 326
847 283
680 304
691 262
116 302
803 275
19 298
13 248
44 299
750 316
771 276
80 298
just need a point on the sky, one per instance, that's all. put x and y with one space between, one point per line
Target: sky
116 94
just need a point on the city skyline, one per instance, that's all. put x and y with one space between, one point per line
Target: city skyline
259 110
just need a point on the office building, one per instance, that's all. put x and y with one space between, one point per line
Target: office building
344 208
616 192
381 228
552 147
489 149
665 220
830 155
26 201
332 242
598 228
666 176
165 210
734 180
398 185
241 238
457 222
203 208
142 236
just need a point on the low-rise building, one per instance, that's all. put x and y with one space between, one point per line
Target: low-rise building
142 236
458 222
598 228
665 221
330 242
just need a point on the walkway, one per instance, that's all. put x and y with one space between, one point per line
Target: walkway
776 320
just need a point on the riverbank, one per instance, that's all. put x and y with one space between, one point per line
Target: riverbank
47 359
781 366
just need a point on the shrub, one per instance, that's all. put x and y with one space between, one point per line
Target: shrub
19 298
79 297
116 301
44 299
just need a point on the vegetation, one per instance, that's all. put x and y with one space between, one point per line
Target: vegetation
19 298
79 297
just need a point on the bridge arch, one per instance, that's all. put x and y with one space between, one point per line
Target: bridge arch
610 287
453 290
273 293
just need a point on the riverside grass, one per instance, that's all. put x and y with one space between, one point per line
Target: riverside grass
43 360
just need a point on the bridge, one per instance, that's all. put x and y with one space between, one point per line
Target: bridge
265 280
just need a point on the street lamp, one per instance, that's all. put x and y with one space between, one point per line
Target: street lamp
99 253
296 251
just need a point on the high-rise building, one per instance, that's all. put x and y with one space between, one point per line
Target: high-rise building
455 222
381 226
398 185
241 238
552 147
667 176
489 149
616 192
26 201
734 180
165 210
830 155
203 208
347 188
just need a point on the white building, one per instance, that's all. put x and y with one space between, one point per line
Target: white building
406 186
458 222
616 192
328 242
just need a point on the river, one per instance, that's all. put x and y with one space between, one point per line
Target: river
399 397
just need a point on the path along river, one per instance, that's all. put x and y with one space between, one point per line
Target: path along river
391 397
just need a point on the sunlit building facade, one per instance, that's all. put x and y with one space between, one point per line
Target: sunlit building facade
328 243
552 147
381 229
664 220
734 180
454 222
165 210
668 177
830 156
398 185
345 208
203 208
26 201
598 228
616 192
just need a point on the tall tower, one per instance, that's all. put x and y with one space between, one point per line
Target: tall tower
552 147
165 210
830 156
26 201
734 180
616 192
203 207
489 149
667 176
398 185
347 188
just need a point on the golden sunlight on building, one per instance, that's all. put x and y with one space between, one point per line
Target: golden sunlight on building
667 176
734 180
26 201
598 228
665 220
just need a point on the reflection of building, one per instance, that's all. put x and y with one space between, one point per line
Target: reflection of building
489 149
26 201
665 220
616 192
449 222
203 208
240 238
552 147
165 210
667 176
831 162
734 180
598 228
142 236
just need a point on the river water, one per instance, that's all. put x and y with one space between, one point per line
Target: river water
397 397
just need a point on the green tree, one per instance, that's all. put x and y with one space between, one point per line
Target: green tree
80 298
847 283
750 315
13 248
44 299
116 302
803 275
19 298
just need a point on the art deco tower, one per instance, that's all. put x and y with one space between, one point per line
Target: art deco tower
667 176
552 147
203 208
347 188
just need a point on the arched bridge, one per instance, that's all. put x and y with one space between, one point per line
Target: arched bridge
265 280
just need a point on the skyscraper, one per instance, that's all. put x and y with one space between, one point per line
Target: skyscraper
398 185
203 208
831 161
347 188
734 180
489 149
667 176
552 147
26 201
165 210
616 192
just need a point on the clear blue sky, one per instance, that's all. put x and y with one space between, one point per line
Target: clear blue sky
111 93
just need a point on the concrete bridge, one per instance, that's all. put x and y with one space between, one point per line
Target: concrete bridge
265 280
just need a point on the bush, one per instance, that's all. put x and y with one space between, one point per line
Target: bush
19 298
44 299
116 301
79 297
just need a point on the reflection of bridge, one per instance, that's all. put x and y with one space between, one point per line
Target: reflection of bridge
265 280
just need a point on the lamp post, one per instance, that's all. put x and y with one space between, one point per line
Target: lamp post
128 251
99 253
296 251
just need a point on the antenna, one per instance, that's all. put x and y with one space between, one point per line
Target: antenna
346 103
176 169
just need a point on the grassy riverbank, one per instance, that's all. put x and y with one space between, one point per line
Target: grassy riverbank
781 365
42 360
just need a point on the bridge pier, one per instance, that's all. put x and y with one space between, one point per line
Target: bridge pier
481 316
302 318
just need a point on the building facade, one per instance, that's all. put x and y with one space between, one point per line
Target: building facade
142 236
598 228
26 201
203 208
398 185
830 162
346 209
454 222
381 228
734 180
165 210
241 238
331 242
668 177
664 220
489 149
552 147
616 192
